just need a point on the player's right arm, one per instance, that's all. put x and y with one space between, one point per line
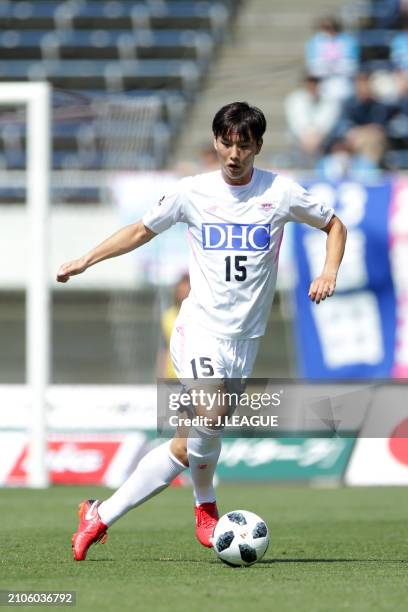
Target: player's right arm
165 213
124 240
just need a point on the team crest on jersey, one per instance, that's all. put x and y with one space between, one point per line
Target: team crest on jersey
267 206
236 237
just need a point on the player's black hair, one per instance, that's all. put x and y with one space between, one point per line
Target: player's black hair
239 117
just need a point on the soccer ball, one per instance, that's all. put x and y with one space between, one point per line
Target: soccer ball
240 538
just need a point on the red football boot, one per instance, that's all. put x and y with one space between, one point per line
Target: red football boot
90 529
206 520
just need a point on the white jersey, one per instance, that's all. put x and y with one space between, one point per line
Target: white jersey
235 234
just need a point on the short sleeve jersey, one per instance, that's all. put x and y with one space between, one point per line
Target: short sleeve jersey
235 233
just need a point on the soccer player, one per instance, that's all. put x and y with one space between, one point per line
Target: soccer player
236 217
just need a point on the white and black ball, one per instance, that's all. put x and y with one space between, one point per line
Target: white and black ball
240 538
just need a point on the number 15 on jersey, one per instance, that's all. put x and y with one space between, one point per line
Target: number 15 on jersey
236 263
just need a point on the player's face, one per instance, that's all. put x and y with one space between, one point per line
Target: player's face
236 156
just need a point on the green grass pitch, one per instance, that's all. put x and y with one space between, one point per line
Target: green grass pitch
331 549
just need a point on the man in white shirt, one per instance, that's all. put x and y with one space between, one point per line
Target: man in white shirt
235 216
311 116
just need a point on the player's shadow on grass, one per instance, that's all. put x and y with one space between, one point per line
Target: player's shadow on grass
151 560
302 560
259 563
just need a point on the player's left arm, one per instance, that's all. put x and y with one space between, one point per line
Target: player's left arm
324 285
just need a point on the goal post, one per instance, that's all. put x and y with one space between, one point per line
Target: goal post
36 97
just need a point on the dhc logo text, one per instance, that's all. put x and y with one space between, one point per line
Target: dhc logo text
235 237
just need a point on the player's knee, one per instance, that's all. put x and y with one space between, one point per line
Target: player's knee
216 408
178 447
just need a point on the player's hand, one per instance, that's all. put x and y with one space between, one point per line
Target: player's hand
71 268
322 287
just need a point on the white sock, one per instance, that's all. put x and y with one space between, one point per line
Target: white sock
154 473
203 452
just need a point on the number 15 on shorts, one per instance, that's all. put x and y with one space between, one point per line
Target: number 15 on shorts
202 365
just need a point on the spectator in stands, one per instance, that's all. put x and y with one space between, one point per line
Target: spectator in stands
332 55
310 116
364 121
398 125
399 46
208 159
342 162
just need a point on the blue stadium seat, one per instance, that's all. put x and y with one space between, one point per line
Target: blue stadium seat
85 160
105 44
28 14
375 44
181 14
113 76
12 195
396 159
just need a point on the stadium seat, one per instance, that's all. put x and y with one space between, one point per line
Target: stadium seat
112 76
28 15
375 44
207 15
396 159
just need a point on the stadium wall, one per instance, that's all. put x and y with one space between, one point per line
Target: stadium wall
126 418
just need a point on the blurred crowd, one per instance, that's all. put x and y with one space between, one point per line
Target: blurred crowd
349 114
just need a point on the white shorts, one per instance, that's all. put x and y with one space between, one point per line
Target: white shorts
198 355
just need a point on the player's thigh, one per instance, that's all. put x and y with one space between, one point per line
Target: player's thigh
197 360
240 357
196 355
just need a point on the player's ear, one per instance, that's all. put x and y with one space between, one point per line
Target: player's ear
259 146
215 142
